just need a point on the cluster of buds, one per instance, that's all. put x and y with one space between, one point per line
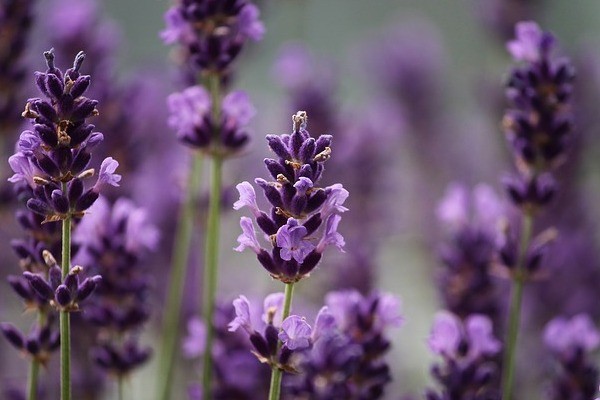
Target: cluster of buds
298 206
468 349
53 157
212 32
39 344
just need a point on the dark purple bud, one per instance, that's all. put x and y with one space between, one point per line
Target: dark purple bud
259 344
267 262
47 134
75 190
278 147
72 282
266 224
80 86
87 287
307 151
272 338
271 192
39 285
21 248
83 109
47 165
309 263
284 356
60 202
55 86
80 133
20 286
63 297
86 200
322 142
81 162
12 335
313 223
55 276
296 141
275 168
45 110
32 346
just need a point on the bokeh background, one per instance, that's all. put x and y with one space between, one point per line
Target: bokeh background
458 47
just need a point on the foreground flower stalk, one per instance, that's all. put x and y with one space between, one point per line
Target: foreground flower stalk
276 372
65 329
538 126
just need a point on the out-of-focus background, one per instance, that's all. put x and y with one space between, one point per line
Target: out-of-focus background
457 49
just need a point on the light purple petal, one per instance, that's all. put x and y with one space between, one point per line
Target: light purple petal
177 28
242 315
480 332
331 237
388 311
273 306
237 105
248 236
335 200
453 210
445 334
107 176
291 239
249 22
295 333
324 324
194 343
247 198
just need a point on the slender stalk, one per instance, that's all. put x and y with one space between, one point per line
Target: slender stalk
211 249
276 373
121 388
514 316
172 317
34 367
65 330
32 380
210 270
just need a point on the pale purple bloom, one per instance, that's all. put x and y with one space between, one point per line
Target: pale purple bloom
303 185
445 334
242 315
248 236
23 169
531 42
237 105
291 238
249 23
247 198
273 309
193 344
177 28
453 210
566 336
295 333
107 174
342 305
335 200
140 233
449 332
188 108
324 324
28 143
331 237
388 311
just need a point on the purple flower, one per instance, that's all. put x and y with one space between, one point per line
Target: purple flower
567 336
331 237
335 200
295 333
242 315
324 324
193 344
273 309
177 28
249 23
291 238
531 43
107 176
187 109
247 198
23 168
248 236
237 105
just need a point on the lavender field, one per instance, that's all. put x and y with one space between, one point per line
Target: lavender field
299 200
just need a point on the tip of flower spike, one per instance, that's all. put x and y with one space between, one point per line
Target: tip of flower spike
78 60
299 120
49 56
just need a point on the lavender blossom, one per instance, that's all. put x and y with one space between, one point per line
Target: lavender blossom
299 206
114 241
192 117
468 349
349 343
212 33
571 341
472 222
65 143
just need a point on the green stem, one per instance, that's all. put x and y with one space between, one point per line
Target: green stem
210 279
65 330
276 373
121 388
172 317
34 367
514 316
